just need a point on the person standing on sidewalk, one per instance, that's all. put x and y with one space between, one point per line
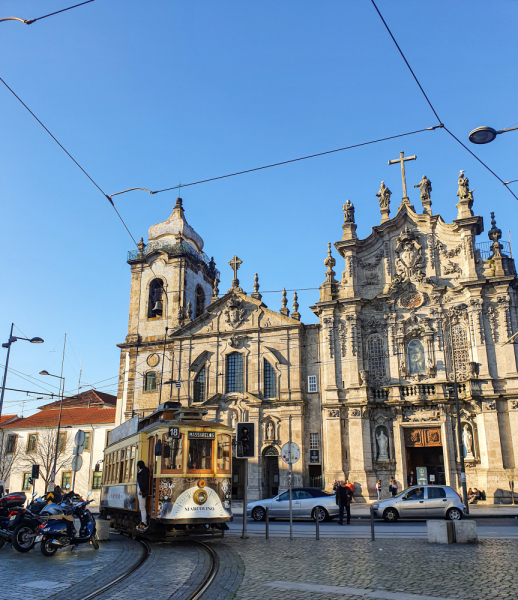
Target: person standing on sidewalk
343 499
142 491
393 486
378 488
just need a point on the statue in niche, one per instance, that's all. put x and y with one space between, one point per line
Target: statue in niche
233 420
383 442
270 431
416 361
467 442
348 209
425 188
384 195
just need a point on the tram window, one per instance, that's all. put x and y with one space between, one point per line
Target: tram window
223 453
121 466
200 455
172 454
127 464
131 462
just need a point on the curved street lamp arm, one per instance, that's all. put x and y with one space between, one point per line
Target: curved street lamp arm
31 21
17 19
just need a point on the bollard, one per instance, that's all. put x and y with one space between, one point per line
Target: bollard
373 537
267 524
317 526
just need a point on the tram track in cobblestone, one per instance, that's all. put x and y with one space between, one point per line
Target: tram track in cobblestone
205 584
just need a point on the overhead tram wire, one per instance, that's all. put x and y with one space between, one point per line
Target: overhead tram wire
433 109
31 21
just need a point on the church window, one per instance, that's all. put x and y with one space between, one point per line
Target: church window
312 384
150 381
416 362
270 387
314 443
199 386
199 301
235 373
376 355
460 348
155 300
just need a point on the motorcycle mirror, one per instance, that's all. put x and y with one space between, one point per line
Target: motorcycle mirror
34 495
67 487
89 493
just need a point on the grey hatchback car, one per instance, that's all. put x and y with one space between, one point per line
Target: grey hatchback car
421 502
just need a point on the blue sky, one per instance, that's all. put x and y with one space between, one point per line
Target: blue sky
151 94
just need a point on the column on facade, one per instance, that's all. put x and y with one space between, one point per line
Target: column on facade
491 475
332 445
361 471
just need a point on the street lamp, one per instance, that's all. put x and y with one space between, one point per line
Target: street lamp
61 393
12 339
484 135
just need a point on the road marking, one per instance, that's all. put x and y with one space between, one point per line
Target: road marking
44 585
334 589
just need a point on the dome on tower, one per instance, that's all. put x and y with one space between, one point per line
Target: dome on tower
176 228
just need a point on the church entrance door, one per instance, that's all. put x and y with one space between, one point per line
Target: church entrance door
424 449
270 472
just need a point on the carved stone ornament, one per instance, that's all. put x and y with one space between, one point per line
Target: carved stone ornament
451 268
419 414
409 258
234 314
373 264
356 412
236 341
411 299
153 360
364 377
333 414
514 404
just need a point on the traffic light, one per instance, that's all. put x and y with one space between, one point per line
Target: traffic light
35 472
245 440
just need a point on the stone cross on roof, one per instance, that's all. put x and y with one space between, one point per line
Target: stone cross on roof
402 160
235 263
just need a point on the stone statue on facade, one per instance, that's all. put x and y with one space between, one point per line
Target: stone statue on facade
348 209
384 200
465 197
467 442
382 440
425 188
270 431
463 191
233 420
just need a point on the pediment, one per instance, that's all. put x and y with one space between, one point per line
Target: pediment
236 313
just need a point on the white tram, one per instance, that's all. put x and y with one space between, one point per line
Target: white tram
190 466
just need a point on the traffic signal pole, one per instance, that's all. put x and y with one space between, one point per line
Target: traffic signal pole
245 500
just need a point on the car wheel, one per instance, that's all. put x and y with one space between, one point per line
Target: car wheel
454 514
23 538
258 513
319 513
391 515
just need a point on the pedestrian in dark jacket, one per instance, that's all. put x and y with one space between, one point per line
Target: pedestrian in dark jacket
411 479
343 499
142 490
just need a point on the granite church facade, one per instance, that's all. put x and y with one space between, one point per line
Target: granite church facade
369 389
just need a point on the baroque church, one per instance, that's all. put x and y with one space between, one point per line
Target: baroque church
414 307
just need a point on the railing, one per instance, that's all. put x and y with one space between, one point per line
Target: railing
379 393
486 249
415 391
173 250
317 482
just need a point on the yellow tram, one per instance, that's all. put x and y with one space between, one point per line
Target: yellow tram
190 466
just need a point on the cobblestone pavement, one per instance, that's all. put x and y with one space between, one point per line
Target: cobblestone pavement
32 575
387 569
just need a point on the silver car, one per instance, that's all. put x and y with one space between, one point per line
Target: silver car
307 503
421 502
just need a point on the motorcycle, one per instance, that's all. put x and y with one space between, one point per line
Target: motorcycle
59 531
9 505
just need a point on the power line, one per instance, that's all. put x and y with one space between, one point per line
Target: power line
284 162
433 109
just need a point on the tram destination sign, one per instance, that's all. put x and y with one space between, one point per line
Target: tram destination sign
201 435
174 432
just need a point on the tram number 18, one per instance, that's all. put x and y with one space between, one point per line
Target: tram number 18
174 432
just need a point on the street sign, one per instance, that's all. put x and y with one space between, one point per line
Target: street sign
77 463
295 453
80 438
314 456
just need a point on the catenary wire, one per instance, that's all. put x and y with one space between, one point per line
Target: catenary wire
284 162
30 21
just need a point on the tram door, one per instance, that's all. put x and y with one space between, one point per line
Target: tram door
150 500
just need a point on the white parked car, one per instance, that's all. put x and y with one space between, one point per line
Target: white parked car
307 503
421 502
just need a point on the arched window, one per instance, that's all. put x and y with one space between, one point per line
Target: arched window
234 373
199 301
376 355
460 348
150 381
154 304
199 386
415 355
270 383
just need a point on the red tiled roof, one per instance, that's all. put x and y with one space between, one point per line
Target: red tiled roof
4 419
88 398
71 416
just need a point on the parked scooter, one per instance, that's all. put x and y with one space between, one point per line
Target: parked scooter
9 506
60 532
